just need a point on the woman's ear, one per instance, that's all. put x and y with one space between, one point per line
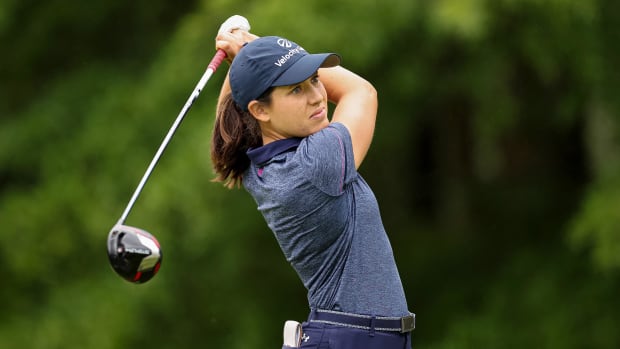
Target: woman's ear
258 111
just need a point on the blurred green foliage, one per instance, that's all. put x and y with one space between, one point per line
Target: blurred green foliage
495 161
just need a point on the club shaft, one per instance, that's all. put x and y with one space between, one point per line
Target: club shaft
212 67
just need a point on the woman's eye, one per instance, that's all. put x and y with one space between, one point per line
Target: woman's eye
296 89
315 79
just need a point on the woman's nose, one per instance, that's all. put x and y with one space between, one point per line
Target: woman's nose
316 95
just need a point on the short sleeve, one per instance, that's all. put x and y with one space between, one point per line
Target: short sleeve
327 157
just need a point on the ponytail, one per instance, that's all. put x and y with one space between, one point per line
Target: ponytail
235 131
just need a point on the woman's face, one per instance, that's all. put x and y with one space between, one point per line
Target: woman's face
296 110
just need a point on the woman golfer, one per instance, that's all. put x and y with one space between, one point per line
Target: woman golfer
272 134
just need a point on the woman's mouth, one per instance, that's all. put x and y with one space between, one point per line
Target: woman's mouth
318 114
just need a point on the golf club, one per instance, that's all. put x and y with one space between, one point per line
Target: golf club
134 253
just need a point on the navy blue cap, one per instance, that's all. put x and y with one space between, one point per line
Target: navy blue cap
272 61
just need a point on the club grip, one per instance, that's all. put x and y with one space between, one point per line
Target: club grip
219 57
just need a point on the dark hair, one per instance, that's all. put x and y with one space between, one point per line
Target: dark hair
234 132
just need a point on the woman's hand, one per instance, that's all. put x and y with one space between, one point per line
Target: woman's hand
232 42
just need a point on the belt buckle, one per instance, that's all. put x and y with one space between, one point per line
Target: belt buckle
407 323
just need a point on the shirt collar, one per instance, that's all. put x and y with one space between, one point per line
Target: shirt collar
265 153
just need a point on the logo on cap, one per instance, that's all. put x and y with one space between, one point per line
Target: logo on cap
284 43
292 51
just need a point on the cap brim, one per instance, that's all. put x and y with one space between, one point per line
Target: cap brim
305 67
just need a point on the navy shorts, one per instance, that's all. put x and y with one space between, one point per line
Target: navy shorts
317 335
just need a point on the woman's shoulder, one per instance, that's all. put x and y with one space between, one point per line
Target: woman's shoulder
335 132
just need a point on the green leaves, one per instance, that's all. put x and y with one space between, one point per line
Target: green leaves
596 227
494 163
466 19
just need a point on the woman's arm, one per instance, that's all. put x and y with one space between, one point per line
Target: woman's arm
231 43
224 92
356 106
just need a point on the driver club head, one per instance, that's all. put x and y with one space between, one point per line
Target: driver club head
134 253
